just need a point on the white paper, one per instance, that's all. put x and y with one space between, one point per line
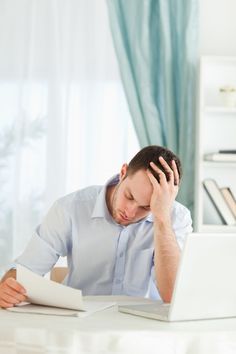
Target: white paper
42 291
43 310
92 306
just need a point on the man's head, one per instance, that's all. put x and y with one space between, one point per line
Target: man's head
129 200
141 161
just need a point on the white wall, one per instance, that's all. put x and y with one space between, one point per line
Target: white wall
218 27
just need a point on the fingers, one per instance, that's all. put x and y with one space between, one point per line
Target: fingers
5 304
161 174
11 293
152 179
172 171
176 173
167 168
13 284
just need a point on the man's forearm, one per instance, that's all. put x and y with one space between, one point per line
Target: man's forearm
10 274
167 256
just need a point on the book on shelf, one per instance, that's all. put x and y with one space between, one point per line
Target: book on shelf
211 216
230 199
227 151
219 202
220 157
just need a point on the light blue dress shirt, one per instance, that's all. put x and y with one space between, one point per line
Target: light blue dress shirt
104 258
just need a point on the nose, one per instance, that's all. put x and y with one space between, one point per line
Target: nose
131 210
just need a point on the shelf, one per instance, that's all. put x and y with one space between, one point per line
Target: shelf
219 110
215 131
218 59
219 163
218 228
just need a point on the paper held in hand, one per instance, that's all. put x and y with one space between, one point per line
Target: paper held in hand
57 299
43 291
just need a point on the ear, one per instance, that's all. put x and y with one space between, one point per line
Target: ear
123 171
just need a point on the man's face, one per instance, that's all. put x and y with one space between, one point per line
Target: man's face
130 199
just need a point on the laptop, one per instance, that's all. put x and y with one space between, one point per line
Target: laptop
205 286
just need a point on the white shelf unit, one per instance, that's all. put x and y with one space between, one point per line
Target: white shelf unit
216 130
219 110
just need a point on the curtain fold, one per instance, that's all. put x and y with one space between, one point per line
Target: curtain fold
156 42
64 121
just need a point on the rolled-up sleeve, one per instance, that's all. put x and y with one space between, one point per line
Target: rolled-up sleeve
182 224
50 240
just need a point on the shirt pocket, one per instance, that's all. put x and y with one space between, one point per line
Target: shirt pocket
138 271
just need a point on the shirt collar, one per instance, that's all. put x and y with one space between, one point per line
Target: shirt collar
149 218
100 209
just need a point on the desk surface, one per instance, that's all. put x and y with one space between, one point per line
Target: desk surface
109 331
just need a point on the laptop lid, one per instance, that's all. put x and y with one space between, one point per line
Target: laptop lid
205 286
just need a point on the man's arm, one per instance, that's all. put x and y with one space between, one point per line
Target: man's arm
167 252
11 292
51 240
166 258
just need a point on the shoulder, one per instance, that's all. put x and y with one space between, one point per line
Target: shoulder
86 196
181 222
179 208
180 213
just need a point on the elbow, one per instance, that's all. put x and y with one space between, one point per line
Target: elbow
166 299
166 296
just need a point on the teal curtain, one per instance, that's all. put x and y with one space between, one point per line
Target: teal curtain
156 42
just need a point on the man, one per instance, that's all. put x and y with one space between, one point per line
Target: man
120 239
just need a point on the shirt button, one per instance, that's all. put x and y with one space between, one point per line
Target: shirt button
121 254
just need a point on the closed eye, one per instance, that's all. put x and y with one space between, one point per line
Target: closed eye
146 207
130 197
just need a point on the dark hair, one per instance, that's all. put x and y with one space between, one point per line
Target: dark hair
141 161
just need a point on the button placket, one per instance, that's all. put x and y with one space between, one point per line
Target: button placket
120 262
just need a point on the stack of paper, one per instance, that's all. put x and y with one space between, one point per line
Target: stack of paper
57 299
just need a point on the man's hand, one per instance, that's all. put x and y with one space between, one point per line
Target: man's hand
11 292
164 191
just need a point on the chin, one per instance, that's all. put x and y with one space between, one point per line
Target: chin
127 222
121 221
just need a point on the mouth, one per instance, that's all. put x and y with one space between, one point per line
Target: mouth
124 218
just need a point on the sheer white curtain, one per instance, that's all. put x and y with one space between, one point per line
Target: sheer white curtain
64 121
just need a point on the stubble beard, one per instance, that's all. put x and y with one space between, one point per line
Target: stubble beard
112 207
113 198
110 200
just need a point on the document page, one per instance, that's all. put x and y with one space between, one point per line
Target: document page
57 299
43 291
92 307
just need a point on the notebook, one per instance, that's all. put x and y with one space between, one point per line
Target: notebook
205 286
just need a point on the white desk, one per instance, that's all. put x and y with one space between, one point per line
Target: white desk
112 332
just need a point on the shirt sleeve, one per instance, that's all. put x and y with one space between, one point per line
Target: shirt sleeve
50 240
182 224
